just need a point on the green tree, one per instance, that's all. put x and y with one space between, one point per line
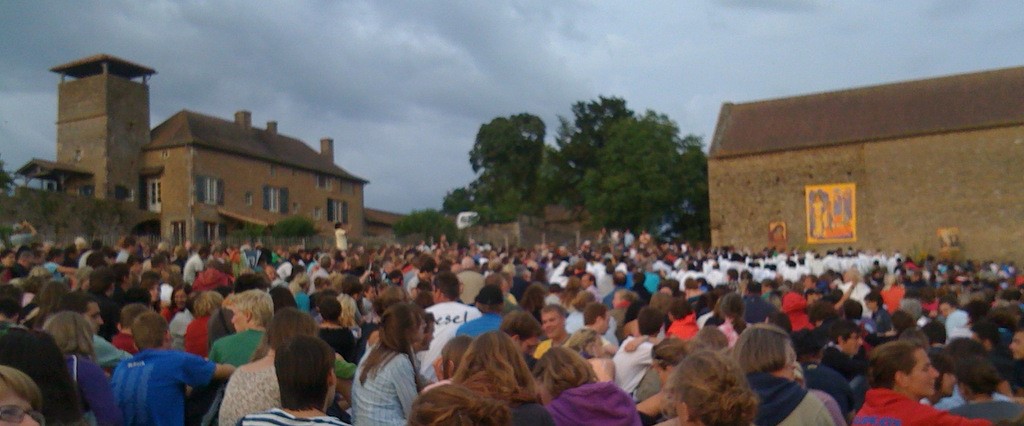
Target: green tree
644 176
430 224
691 219
457 201
580 142
6 181
506 156
294 226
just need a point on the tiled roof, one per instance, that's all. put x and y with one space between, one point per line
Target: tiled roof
937 105
40 168
192 128
381 217
93 65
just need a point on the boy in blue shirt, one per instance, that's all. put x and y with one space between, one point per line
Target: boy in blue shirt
150 386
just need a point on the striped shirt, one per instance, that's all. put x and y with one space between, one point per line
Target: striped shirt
277 417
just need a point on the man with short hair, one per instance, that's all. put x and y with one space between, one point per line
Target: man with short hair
107 356
490 303
449 315
977 380
525 331
24 262
425 273
150 387
756 309
595 317
552 322
630 366
843 352
472 280
102 282
900 375
195 264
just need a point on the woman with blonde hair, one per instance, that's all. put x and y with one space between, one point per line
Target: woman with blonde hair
587 343
300 289
386 382
571 392
708 389
197 333
454 405
20 398
252 311
494 367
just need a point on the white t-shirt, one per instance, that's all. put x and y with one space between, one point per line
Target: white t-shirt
858 295
193 266
448 316
284 271
630 367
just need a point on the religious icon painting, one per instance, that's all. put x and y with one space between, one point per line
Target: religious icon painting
831 213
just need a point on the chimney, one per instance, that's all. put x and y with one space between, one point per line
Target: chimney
272 127
244 118
327 148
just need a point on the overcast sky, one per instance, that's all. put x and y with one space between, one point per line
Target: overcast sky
403 86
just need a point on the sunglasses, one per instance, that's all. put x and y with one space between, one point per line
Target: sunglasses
15 414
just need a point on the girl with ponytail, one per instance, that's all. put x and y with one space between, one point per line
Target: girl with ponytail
730 308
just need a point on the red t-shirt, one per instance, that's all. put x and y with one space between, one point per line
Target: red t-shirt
196 335
887 407
795 307
684 328
125 342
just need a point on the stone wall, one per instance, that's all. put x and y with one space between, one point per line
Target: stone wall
906 190
243 175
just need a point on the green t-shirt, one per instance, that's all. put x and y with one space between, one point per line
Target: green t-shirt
236 349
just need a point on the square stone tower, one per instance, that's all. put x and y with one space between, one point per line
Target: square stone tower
103 123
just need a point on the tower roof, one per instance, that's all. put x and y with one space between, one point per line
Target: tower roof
93 65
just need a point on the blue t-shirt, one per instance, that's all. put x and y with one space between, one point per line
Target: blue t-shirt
302 301
487 322
150 386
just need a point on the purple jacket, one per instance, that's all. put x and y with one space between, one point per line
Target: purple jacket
594 404
94 390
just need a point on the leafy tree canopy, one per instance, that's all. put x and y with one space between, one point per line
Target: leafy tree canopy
628 170
294 226
6 181
430 224
506 156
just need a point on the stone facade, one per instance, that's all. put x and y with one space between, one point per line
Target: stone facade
244 179
198 177
102 124
907 188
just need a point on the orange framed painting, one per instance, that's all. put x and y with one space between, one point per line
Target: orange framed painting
831 213
777 235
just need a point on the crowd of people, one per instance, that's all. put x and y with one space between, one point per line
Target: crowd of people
624 330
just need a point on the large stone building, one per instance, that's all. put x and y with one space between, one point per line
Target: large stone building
204 176
933 166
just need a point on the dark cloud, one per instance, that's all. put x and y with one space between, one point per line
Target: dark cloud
403 86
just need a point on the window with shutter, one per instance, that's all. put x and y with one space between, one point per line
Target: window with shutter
284 200
220 192
331 211
344 212
266 197
200 189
